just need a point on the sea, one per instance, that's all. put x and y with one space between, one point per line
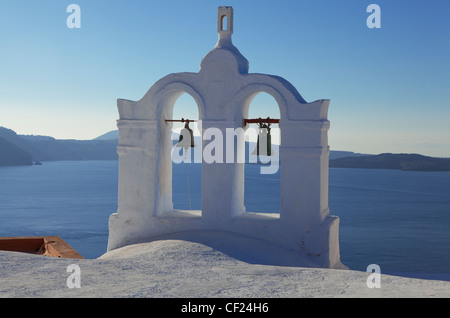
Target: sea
399 220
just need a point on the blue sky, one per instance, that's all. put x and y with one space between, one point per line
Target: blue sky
389 88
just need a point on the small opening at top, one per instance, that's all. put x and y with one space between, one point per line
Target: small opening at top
224 23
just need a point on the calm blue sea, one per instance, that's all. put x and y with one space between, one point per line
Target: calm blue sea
396 219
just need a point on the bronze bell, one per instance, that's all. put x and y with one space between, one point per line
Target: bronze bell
264 142
186 137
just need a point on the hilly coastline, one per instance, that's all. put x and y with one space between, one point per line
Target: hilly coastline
11 155
25 149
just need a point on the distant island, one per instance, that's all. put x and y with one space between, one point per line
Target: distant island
30 149
406 162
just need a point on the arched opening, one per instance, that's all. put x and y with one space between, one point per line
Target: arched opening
186 162
262 188
176 101
224 23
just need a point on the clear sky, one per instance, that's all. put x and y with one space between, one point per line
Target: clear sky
389 87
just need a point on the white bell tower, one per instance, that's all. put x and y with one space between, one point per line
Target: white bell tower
223 90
